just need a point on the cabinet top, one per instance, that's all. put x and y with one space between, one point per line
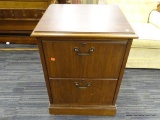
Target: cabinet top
84 20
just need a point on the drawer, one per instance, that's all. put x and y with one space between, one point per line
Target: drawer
83 91
84 59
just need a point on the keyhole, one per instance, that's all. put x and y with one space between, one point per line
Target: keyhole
84 44
82 80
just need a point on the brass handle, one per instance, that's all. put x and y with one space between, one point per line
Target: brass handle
82 86
82 54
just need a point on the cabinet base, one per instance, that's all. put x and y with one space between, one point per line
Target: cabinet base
98 110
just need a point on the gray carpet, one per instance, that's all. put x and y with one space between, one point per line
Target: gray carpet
23 95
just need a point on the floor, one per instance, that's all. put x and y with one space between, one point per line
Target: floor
23 94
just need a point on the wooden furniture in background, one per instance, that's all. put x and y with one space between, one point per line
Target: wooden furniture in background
69 1
18 18
158 7
83 57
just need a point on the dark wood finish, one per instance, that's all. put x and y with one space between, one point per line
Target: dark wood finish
18 39
83 91
83 57
62 1
45 71
69 1
84 20
11 25
83 110
20 16
122 69
69 64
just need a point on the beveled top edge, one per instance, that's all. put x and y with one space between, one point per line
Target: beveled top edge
97 35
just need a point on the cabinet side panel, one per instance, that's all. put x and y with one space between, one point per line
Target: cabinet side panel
45 70
122 70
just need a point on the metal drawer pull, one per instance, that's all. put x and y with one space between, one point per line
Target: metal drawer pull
79 53
83 86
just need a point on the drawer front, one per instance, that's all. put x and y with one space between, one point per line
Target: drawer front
84 59
72 91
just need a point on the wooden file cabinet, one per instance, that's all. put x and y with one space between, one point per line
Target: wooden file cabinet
84 49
